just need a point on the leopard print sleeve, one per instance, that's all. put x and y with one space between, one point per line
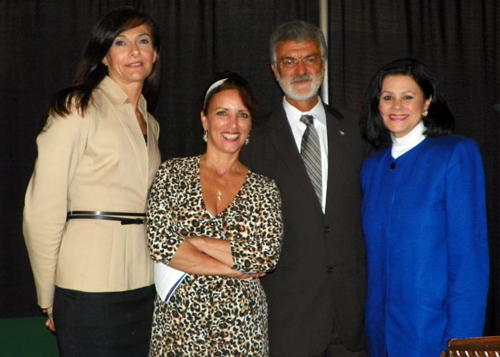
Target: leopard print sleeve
259 251
162 214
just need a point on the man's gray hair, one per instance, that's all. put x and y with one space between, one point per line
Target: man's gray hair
298 31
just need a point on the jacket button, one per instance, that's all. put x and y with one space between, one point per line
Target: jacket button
329 270
326 229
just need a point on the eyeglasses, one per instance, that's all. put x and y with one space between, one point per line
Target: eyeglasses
310 61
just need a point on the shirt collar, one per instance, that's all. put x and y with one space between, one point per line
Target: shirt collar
118 96
409 141
293 114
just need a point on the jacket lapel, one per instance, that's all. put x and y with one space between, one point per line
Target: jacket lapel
337 140
152 140
282 138
132 138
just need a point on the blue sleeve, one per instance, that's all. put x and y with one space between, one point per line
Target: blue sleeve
467 242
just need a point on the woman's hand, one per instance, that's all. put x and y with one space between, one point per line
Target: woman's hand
50 321
190 259
239 275
217 248
221 250
258 275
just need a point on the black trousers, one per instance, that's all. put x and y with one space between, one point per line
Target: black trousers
335 349
104 324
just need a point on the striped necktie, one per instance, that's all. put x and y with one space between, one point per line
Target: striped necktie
311 154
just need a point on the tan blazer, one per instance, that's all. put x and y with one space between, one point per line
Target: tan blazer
99 162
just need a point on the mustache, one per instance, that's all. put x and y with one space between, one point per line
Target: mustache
305 77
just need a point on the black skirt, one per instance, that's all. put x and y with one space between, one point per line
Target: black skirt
104 324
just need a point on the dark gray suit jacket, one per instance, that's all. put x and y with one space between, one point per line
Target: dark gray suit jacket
320 281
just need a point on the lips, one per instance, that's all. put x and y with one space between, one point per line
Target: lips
135 64
231 137
398 117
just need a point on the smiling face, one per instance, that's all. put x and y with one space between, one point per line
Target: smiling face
228 122
301 81
401 105
131 56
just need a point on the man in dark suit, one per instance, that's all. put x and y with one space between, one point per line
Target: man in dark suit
316 294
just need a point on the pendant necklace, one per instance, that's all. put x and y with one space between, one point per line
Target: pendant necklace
219 191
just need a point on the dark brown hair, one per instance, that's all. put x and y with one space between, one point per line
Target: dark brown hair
234 81
91 71
438 122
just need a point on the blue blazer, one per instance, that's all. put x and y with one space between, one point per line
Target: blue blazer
424 221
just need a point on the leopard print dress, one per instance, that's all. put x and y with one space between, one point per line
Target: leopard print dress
211 315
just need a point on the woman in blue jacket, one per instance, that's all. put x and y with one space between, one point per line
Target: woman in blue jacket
424 218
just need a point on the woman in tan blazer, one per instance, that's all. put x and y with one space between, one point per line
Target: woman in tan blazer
85 203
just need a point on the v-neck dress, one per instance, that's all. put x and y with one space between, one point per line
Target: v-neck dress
212 315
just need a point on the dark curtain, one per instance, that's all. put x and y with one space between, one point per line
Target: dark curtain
41 45
43 41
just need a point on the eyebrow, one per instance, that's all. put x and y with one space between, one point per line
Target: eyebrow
140 35
405 92
311 55
240 110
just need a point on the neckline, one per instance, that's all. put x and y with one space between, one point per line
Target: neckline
211 215
407 152
401 146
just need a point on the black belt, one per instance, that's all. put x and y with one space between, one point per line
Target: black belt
108 216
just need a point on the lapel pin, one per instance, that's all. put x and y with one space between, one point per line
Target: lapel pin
342 132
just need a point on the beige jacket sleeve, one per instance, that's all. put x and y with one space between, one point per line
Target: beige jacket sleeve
60 147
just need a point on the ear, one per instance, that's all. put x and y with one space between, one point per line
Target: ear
204 121
275 71
427 103
104 61
154 56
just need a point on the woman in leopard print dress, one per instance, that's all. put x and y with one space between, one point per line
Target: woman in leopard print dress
219 223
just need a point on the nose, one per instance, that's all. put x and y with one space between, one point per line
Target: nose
134 49
397 104
301 68
233 121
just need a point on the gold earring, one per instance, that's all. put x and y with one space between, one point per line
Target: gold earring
424 114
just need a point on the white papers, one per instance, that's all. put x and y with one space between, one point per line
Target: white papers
167 279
